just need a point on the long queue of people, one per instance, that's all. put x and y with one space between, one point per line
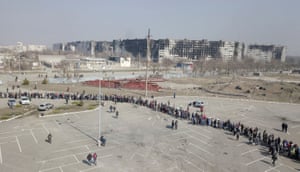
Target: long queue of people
255 136
50 95
275 144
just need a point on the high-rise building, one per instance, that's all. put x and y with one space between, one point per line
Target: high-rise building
168 48
266 53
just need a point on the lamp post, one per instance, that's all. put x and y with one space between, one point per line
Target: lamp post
147 62
99 115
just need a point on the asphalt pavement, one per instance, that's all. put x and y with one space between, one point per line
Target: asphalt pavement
140 139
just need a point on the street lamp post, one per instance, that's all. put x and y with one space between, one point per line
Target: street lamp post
99 115
147 63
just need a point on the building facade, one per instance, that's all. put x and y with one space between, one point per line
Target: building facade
173 49
266 53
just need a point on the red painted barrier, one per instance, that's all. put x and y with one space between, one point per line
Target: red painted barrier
127 84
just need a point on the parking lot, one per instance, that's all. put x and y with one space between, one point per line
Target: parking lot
140 139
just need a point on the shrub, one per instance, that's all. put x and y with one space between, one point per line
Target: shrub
25 82
45 81
80 103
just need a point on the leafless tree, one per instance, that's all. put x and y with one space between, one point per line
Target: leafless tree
167 64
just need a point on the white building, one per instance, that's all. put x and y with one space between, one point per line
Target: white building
94 64
20 47
166 49
125 61
227 50
38 48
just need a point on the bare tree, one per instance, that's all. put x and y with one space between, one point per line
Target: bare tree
167 63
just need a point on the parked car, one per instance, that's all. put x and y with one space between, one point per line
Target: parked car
24 100
11 102
45 106
197 103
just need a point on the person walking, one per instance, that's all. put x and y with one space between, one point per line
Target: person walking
50 138
173 124
176 125
95 158
274 157
89 158
102 140
286 127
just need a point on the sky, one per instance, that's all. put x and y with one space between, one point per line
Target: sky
53 21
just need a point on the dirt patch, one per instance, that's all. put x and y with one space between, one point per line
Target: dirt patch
205 86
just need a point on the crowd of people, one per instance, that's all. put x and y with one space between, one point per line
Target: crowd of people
254 135
275 144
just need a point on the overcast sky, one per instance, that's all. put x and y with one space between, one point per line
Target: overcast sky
249 21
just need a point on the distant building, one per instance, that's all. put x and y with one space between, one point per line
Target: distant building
136 48
85 48
227 50
90 63
37 48
197 49
122 61
174 49
266 53
20 47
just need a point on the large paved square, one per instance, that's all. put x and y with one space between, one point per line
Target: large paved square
140 140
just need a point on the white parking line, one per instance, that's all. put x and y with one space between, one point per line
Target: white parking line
105 156
87 147
252 162
273 168
90 169
62 150
209 163
45 128
252 150
59 167
201 149
189 162
199 133
78 140
295 126
9 132
199 140
33 136
1 143
18 144
76 158
44 161
1 160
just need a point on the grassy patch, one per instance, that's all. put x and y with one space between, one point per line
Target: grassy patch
92 106
75 106
7 113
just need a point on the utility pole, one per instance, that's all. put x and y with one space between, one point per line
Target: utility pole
99 113
147 62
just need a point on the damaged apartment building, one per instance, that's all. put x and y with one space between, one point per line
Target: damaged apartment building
175 49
